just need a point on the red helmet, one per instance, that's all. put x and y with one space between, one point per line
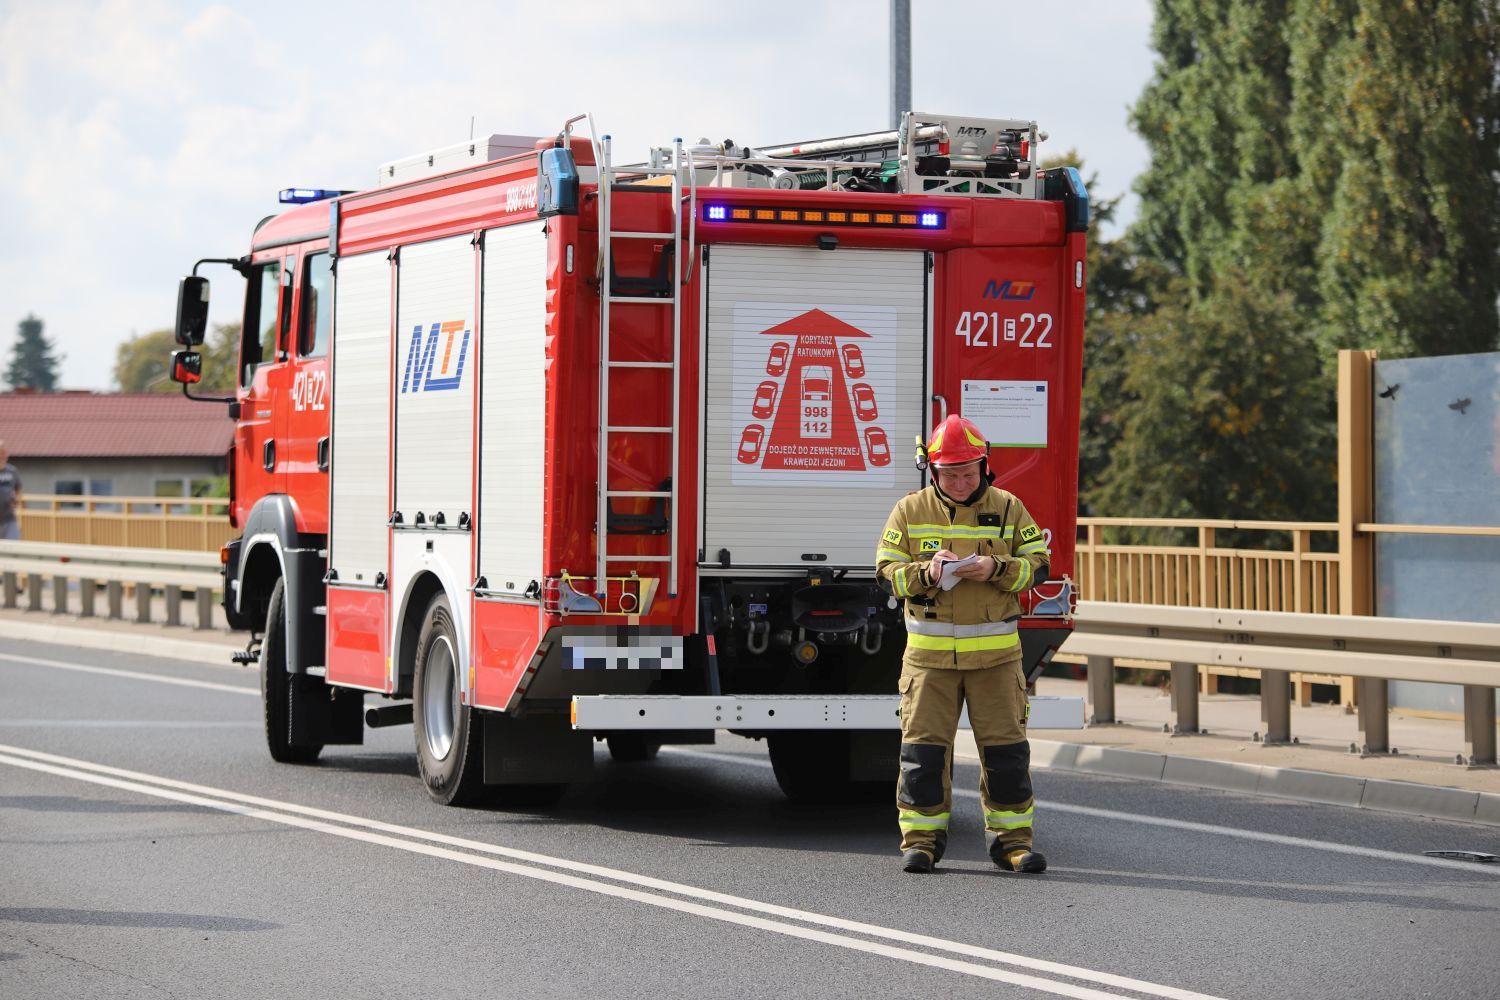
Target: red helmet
956 441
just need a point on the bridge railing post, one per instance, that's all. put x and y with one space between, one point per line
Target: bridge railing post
1185 697
1101 671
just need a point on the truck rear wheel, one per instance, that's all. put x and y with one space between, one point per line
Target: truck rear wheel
449 741
815 767
279 689
631 747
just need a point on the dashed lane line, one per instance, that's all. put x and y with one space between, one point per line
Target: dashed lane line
590 878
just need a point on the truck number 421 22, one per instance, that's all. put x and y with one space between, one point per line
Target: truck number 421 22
984 329
310 390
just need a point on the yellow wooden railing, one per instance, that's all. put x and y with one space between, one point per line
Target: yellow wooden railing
1275 567
196 524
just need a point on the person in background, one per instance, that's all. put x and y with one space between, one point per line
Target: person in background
10 497
962 646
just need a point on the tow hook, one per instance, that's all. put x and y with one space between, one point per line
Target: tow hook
758 639
870 637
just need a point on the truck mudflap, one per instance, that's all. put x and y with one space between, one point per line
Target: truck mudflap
759 713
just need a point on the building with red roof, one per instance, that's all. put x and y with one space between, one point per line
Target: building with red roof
115 444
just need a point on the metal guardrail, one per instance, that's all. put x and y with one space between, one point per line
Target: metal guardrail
1278 643
117 568
1275 643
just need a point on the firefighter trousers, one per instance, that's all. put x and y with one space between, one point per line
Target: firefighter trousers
931 700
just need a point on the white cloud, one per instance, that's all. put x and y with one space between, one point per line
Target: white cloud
142 135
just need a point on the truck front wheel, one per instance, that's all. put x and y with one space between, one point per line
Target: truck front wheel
449 742
281 692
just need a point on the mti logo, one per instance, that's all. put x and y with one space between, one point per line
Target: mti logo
1012 291
427 368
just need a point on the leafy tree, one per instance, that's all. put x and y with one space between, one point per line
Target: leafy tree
141 363
1399 111
1325 174
33 365
1214 116
1216 423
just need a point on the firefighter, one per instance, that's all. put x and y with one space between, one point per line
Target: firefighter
962 646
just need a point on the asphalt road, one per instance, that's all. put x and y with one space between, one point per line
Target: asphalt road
152 848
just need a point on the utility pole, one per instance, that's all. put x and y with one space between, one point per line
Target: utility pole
900 60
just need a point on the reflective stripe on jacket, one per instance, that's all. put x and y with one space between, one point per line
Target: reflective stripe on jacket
974 624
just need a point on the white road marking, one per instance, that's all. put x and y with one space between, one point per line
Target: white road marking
425 842
1174 824
133 675
123 724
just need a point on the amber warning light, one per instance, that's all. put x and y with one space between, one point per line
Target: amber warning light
921 219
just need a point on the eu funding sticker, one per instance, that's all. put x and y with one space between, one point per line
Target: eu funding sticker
1009 414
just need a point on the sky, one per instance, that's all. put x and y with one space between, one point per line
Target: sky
141 136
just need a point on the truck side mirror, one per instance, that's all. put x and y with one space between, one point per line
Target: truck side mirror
187 367
556 183
192 311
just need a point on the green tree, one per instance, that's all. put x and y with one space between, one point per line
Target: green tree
33 365
1398 121
1325 174
1216 423
141 363
1214 117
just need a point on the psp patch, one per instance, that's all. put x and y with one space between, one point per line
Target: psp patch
1029 532
893 536
622 648
931 544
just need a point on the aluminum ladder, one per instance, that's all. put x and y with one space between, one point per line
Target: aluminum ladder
608 300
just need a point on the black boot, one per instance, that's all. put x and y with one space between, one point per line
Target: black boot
1018 859
917 862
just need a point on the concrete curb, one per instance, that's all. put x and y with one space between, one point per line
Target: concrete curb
1404 797
121 641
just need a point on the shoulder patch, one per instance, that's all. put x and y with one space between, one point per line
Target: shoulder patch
893 536
1029 532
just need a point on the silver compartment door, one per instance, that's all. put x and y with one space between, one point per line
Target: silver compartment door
815 389
357 535
512 408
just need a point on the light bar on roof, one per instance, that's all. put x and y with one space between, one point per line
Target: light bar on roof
303 196
780 214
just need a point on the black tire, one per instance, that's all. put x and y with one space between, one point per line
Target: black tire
524 796
278 688
629 748
812 767
450 753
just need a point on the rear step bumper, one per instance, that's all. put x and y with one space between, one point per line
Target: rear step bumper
770 711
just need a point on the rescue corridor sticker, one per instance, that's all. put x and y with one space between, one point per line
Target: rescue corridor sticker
812 390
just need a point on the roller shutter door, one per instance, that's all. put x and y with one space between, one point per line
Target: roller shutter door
814 390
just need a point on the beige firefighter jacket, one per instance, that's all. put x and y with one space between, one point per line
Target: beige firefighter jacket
974 624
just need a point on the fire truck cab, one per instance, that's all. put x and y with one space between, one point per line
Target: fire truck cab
538 449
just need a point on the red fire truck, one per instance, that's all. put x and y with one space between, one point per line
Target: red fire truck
542 449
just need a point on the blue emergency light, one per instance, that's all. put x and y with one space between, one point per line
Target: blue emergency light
716 213
929 220
303 196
